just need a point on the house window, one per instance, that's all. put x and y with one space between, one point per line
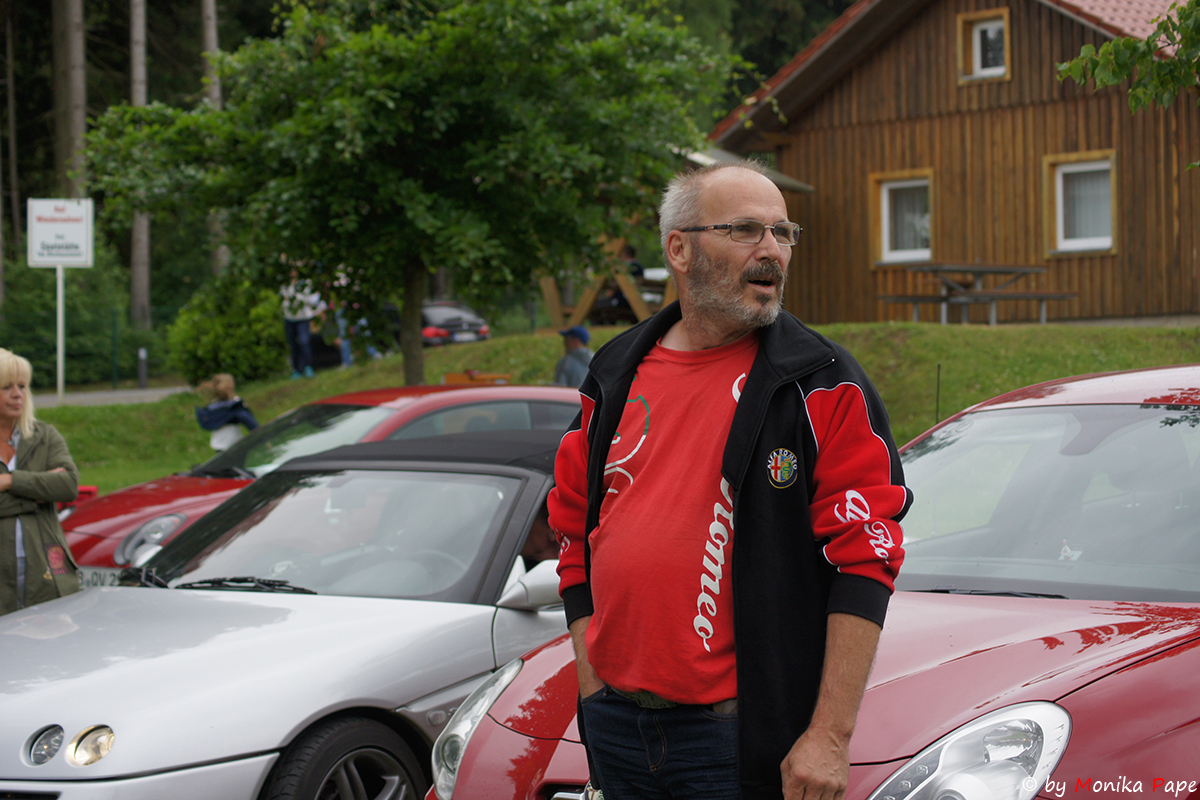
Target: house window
1082 202
904 219
983 45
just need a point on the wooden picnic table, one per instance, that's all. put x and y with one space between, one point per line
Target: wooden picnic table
962 285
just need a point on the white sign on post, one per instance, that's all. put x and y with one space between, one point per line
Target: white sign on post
59 235
60 232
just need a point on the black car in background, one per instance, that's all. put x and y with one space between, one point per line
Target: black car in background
447 322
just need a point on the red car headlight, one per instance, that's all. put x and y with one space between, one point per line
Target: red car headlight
451 744
1005 755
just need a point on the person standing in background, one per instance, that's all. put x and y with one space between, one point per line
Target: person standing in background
302 304
573 366
36 473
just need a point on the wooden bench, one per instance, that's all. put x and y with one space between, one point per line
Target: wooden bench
977 296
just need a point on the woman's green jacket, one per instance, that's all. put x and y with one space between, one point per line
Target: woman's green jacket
50 569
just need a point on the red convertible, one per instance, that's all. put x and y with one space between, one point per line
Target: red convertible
1044 640
106 533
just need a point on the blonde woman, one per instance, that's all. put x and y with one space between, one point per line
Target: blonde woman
36 472
226 415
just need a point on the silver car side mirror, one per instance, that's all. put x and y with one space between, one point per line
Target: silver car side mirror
535 590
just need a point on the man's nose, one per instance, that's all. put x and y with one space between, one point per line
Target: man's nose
771 250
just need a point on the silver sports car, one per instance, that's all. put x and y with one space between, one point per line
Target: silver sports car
308 638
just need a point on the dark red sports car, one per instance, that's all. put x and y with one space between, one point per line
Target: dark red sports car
1044 639
105 533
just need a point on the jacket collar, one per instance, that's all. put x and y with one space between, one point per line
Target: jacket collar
787 349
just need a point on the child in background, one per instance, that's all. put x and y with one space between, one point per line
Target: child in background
226 414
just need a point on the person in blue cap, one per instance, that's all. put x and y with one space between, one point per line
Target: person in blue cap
572 368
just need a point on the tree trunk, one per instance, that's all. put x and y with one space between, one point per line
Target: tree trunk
18 230
139 260
70 96
3 254
212 90
416 284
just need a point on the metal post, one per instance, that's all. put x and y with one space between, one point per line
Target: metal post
116 349
62 328
143 369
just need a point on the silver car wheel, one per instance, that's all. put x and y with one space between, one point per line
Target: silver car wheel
352 758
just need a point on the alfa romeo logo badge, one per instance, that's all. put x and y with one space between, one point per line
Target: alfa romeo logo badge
782 468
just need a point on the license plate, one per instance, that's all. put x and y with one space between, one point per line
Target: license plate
98 576
465 336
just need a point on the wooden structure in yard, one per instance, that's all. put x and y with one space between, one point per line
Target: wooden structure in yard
565 317
936 131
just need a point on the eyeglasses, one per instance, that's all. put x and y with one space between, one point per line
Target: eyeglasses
751 231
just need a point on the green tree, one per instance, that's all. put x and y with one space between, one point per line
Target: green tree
1158 67
770 33
494 138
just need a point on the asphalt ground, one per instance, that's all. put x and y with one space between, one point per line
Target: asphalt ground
105 398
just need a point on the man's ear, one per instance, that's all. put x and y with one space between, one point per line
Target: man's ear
679 252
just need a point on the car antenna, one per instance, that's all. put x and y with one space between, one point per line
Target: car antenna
937 397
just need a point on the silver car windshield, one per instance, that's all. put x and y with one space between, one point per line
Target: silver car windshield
1093 502
357 532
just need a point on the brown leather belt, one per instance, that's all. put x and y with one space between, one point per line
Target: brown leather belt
652 701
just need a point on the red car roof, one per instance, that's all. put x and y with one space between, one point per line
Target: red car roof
1173 385
399 396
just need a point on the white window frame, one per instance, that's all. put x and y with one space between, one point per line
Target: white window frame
1062 243
977 68
885 232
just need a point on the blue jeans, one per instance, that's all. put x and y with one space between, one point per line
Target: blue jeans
297 333
681 752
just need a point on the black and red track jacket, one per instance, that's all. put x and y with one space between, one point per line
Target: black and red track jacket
829 542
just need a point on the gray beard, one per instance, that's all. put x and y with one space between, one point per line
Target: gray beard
717 295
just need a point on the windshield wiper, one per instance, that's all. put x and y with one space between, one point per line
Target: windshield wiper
141 576
226 472
247 584
991 592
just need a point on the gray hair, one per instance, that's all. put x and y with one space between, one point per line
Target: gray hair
680 207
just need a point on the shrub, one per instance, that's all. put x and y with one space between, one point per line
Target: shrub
96 313
230 325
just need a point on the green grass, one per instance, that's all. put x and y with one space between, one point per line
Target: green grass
116 446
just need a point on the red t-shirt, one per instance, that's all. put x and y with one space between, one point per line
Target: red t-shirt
660 564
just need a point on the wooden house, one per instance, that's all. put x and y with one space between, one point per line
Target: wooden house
935 134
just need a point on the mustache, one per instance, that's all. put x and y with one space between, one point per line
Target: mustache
764 270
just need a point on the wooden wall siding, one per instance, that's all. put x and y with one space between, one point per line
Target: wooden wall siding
902 108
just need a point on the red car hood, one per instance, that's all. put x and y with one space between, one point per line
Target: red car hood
946 659
943 661
114 516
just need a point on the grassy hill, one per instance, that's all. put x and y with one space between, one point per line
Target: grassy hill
116 446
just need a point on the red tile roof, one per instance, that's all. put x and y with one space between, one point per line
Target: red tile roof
1120 17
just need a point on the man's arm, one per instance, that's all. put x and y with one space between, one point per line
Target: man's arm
818 765
588 682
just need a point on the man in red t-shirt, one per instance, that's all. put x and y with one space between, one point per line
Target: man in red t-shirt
735 416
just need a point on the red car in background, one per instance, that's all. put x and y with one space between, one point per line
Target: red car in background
1044 639
107 532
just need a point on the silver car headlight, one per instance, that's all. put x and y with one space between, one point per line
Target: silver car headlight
1005 755
451 744
150 533
46 744
88 747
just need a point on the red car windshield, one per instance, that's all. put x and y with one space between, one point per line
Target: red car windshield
1091 502
306 430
